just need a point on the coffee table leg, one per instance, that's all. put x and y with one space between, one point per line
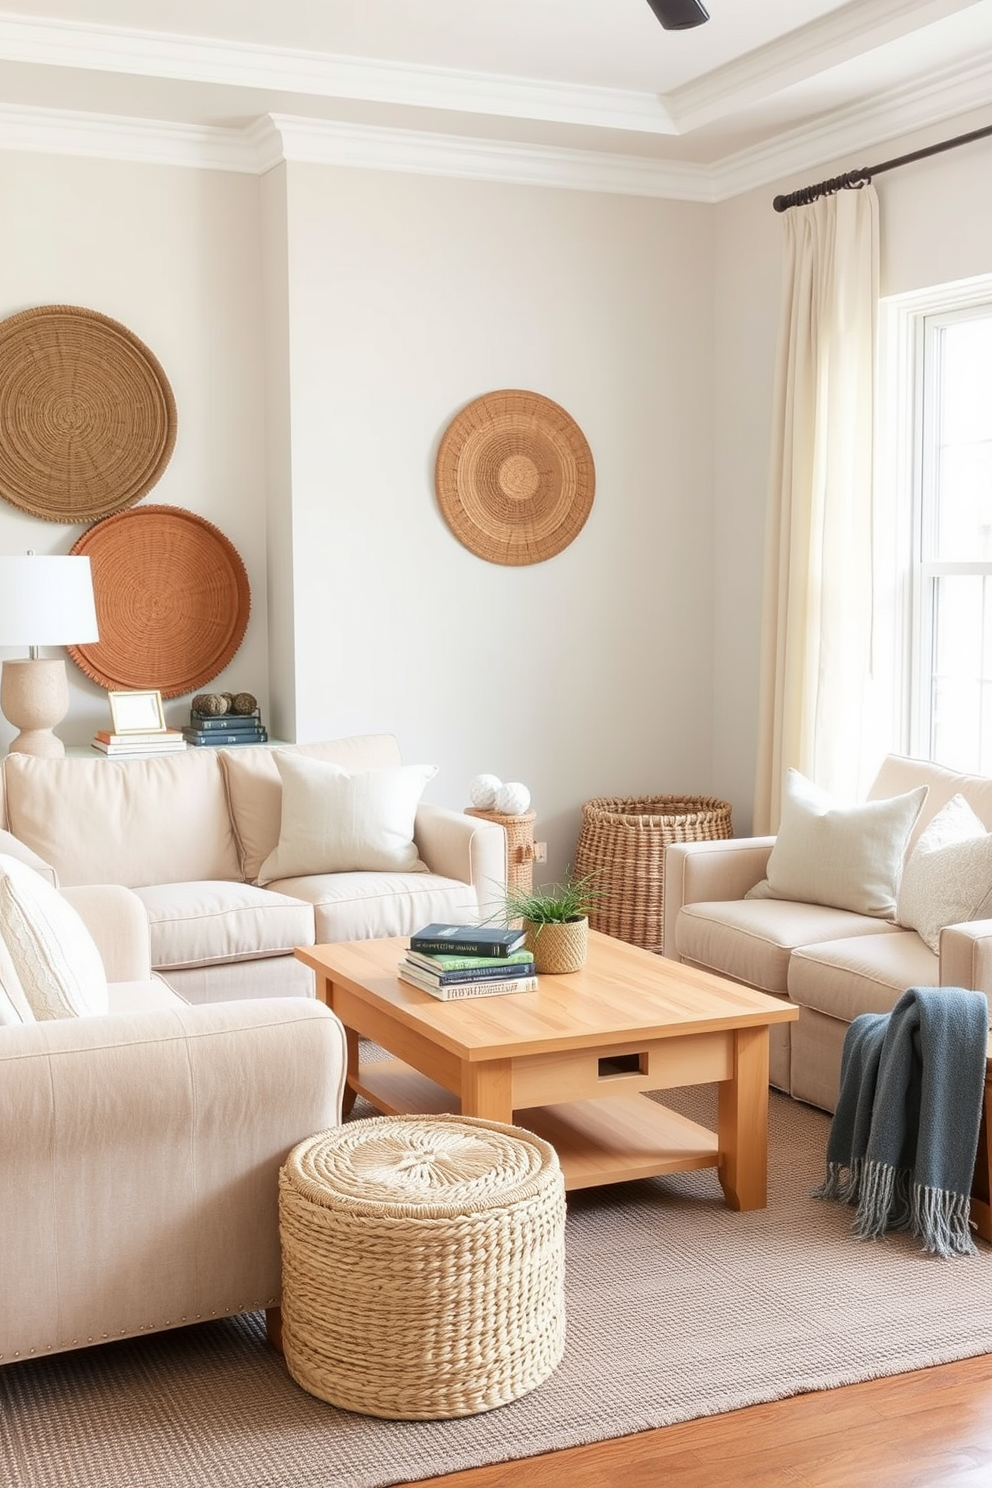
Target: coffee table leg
348 1099
743 1122
487 1090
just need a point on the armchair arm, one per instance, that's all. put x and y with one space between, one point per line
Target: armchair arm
703 872
465 848
141 1154
966 956
118 922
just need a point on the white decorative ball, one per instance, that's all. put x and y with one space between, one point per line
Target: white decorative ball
482 791
512 798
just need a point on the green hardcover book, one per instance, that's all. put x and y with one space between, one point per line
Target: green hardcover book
442 964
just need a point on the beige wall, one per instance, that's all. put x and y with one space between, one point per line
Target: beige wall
584 675
174 255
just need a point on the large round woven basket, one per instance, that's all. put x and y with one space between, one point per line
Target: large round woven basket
422 1265
87 415
623 840
172 600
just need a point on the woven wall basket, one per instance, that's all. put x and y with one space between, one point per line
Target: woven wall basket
172 601
623 839
514 477
87 416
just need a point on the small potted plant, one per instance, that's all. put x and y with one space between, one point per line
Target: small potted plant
556 919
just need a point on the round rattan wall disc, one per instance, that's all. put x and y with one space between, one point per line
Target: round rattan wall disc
515 478
172 601
87 416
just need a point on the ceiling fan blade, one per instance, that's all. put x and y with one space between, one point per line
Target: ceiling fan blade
679 15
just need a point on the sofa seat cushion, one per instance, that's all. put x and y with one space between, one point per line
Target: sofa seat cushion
842 978
752 940
370 906
196 924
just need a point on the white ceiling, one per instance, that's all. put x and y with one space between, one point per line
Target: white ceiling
585 92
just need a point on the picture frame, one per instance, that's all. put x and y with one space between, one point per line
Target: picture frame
137 712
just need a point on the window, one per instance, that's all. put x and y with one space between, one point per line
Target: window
939 469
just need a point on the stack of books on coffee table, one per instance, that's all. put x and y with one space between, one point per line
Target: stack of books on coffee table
456 961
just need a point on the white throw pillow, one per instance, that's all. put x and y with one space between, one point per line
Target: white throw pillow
849 857
344 821
14 1006
948 875
57 963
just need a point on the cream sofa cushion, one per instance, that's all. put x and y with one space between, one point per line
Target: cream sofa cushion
56 961
371 906
141 821
849 857
843 978
254 786
198 924
342 821
751 940
948 877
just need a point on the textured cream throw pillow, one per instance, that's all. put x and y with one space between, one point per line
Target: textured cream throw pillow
54 955
948 876
849 857
14 1006
345 821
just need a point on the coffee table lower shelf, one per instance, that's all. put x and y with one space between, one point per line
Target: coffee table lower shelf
611 1140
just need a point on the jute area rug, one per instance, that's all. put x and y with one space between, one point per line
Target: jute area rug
677 1308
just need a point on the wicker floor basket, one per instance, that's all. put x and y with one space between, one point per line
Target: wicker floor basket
623 841
422 1265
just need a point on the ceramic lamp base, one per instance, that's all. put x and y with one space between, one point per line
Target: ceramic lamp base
34 697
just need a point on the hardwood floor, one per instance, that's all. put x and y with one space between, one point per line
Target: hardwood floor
931 1429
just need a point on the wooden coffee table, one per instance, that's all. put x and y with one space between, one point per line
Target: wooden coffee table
571 1061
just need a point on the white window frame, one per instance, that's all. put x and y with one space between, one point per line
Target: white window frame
908 328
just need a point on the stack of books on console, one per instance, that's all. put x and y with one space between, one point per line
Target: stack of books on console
227 729
455 961
155 741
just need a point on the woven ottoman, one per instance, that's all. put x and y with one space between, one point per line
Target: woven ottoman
423 1264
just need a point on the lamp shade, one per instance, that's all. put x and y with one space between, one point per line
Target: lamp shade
46 601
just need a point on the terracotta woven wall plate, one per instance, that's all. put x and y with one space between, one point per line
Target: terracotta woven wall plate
172 601
514 477
87 416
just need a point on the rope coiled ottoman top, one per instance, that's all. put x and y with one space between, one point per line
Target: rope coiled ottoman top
423 1265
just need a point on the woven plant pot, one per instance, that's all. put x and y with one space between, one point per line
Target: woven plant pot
558 946
623 840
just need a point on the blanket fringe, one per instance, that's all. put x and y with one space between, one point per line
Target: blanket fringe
887 1199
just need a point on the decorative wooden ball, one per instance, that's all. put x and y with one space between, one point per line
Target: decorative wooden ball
482 791
244 702
209 704
512 798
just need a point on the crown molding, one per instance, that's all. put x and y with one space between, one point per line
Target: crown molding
812 49
113 137
855 132
320 142
98 48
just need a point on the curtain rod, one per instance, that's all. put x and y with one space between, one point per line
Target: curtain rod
860 177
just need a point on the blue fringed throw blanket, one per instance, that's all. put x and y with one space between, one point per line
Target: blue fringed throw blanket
904 1136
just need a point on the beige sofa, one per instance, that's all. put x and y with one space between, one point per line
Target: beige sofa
833 963
189 833
139 1151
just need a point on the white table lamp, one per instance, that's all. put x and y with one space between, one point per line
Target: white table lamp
44 601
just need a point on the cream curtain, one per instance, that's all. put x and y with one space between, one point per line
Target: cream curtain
816 628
